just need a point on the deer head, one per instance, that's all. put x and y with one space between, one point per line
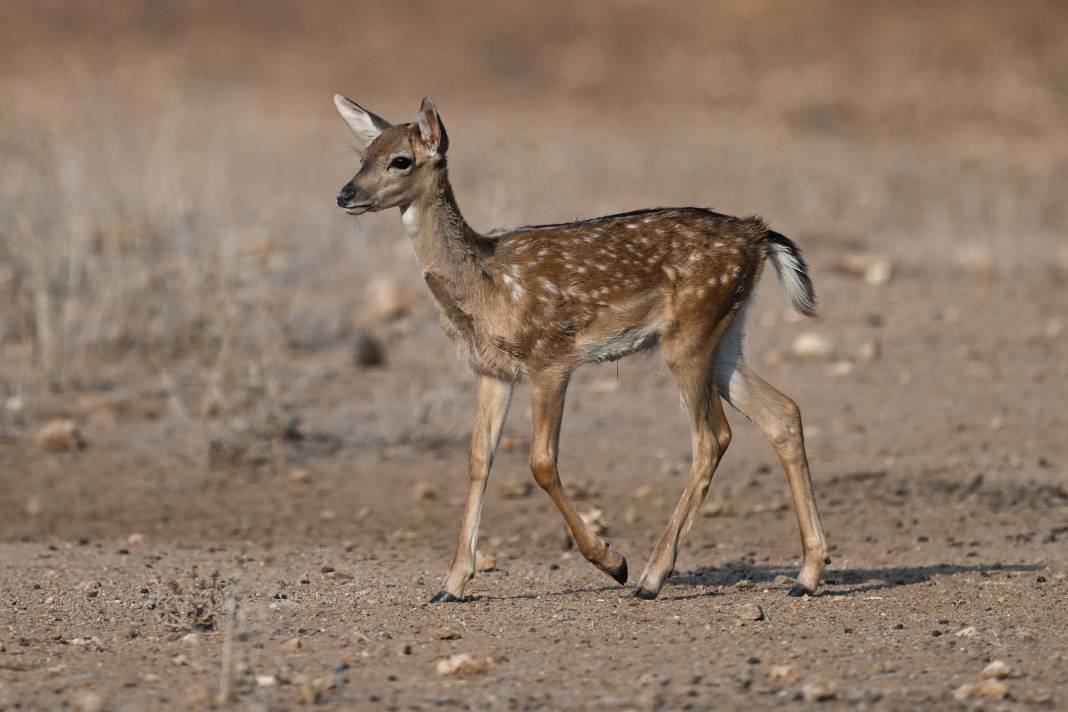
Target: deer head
400 163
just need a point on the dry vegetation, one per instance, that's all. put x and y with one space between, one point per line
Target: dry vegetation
202 331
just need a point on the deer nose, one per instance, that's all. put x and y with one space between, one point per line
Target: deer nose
345 196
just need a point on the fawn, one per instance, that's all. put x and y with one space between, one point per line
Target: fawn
537 301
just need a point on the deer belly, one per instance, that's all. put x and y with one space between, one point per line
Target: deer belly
621 343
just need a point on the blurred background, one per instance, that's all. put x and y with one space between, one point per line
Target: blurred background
180 294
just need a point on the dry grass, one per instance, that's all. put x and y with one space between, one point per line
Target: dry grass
165 200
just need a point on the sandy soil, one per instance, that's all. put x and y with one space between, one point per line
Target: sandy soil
253 511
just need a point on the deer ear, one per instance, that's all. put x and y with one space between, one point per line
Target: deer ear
431 127
364 124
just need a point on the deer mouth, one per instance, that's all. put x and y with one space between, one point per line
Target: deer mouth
358 209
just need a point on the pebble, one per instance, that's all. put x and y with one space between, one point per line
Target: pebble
368 351
993 690
784 675
715 508
811 346
299 474
644 492
743 584
841 368
750 612
265 680
968 632
517 489
595 520
88 701
997 670
869 352
876 270
462 665
60 435
293 644
817 692
447 634
781 580
484 562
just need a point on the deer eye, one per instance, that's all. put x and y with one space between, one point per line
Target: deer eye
401 163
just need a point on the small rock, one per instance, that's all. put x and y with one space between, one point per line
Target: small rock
997 670
595 520
784 675
978 260
1054 329
299 474
743 584
368 351
462 665
179 660
781 580
447 634
87 701
811 346
868 352
293 644
993 690
817 692
265 680
484 562
841 368
876 270
968 632
517 489
190 639
644 492
60 435
135 539
750 612
384 301
715 508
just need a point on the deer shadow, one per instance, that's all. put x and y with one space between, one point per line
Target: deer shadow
854 580
847 582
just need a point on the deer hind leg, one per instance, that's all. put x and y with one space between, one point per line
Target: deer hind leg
494 397
547 391
779 418
710 437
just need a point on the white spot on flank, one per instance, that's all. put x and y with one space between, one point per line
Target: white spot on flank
632 226
549 286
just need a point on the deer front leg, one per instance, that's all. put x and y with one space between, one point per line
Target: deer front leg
494 397
547 391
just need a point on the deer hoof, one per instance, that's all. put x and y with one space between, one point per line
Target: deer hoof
621 574
644 595
444 597
797 590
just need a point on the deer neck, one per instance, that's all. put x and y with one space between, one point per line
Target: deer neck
446 247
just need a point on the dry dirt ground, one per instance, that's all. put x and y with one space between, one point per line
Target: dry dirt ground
247 509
